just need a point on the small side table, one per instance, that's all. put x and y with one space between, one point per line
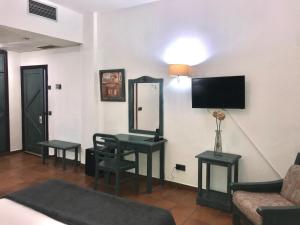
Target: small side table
59 145
212 198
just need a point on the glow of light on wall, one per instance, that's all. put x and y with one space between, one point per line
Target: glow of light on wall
189 51
181 83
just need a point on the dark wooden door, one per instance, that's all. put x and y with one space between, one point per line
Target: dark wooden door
4 112
34 107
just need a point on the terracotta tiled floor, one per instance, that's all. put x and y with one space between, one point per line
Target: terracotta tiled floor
22 170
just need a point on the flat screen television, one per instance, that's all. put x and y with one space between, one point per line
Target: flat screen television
219 92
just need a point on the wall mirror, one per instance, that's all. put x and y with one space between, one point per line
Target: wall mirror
145 105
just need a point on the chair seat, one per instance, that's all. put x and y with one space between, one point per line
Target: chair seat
113 164
248 202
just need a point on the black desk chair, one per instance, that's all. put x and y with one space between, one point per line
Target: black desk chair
109 158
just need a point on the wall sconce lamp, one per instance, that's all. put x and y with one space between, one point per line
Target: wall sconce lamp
179 70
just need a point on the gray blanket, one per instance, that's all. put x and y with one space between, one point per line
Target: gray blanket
74 205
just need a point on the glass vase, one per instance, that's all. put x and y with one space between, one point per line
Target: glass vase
218 142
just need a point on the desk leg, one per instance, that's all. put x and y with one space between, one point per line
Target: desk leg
64 159
76 157
162 163
149 172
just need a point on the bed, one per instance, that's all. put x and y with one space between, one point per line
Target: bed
57 202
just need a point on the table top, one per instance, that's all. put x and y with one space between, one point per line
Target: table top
64 145
220 157
137 139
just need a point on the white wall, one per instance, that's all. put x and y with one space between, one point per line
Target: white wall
69 24
255 38
65 68
15 110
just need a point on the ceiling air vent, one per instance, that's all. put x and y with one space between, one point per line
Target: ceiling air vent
43 10
48 47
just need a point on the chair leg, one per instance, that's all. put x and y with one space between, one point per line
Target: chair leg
117 185
96 179
106 177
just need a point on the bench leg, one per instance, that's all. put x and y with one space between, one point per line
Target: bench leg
64 159
76 157
44 155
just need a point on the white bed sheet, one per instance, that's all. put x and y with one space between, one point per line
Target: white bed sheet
12 213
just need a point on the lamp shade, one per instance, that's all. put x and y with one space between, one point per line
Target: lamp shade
179 70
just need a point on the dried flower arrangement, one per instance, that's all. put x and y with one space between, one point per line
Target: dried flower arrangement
220 116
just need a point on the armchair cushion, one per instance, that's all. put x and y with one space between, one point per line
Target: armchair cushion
248 202
291 185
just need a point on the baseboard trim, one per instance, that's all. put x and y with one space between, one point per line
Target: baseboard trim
171 183
11 152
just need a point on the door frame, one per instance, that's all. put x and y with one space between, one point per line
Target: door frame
6 98
45 79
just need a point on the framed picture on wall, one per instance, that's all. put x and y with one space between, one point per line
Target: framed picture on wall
112 85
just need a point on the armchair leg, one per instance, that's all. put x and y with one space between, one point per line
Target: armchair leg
235 218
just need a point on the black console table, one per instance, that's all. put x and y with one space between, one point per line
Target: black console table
210 197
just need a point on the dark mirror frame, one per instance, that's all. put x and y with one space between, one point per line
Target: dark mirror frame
145 79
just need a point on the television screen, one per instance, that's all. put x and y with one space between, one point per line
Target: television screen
219 92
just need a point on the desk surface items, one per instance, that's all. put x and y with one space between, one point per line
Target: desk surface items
59 145
213 198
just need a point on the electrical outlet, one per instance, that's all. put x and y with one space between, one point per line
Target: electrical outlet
180 167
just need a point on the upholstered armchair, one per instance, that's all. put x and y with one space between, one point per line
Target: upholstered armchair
268 203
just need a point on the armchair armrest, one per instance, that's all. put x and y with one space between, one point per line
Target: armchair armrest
272 186
287 215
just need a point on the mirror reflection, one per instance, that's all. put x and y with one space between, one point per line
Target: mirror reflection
146 106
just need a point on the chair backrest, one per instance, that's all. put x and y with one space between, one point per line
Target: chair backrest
106 146
297 162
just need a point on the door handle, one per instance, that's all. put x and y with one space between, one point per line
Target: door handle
41 119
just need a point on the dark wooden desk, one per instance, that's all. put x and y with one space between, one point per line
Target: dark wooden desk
145 145
210 197
59 145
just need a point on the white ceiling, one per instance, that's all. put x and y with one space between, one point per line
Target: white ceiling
24 41
100 5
